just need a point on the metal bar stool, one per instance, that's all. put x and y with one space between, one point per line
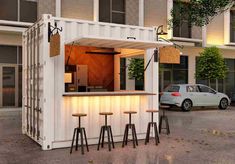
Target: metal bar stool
79 130
154 125
164 118
107 128
132 127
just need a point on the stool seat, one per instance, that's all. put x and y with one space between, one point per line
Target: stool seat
164 106
152 111
106 113
130 112
79 115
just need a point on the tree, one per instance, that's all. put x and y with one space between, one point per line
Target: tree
211 65
198 12
136 69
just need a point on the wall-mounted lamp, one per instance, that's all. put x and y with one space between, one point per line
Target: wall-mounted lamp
67 77
160 32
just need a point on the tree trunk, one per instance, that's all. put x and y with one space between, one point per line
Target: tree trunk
209 82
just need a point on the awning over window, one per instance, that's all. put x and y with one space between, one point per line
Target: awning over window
116 43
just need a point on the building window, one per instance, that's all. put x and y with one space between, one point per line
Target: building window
18 10
8 54
232 25
8 10
173 73
10 76
27 7
183 29
112 11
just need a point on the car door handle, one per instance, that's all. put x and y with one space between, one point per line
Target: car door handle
204 94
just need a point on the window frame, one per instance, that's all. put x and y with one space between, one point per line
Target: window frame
180 28
114 11
210 90
232 23
195 89
18 12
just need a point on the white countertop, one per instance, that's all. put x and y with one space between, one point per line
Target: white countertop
114 93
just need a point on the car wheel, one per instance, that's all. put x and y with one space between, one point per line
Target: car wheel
187 105
223 103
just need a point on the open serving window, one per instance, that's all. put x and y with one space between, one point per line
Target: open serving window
104 65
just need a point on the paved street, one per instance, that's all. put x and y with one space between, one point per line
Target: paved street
197 137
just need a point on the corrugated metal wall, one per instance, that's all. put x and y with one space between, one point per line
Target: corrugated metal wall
33 94
65 123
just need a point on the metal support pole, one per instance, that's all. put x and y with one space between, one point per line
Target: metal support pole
79 122
152 118
130 118
105 120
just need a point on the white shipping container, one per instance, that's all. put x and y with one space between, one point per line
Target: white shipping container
47 110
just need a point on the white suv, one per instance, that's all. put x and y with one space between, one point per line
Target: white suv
186 96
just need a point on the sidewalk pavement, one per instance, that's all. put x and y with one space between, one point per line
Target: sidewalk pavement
197 137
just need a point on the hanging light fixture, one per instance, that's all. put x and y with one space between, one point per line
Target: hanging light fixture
160 32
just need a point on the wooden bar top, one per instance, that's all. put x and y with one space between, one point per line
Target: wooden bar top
115 93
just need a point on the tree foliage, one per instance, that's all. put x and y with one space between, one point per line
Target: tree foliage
198 12
136 69
211 65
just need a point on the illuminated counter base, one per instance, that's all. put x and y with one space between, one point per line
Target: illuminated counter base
92 105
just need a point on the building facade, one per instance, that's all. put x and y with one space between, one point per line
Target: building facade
18 15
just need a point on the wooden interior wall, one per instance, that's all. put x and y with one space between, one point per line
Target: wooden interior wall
100 67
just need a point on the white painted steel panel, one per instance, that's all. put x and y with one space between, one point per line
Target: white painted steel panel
78 28
28 65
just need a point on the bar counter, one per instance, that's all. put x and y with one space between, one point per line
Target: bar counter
92 103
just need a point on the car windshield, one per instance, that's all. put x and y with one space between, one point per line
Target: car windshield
172 88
